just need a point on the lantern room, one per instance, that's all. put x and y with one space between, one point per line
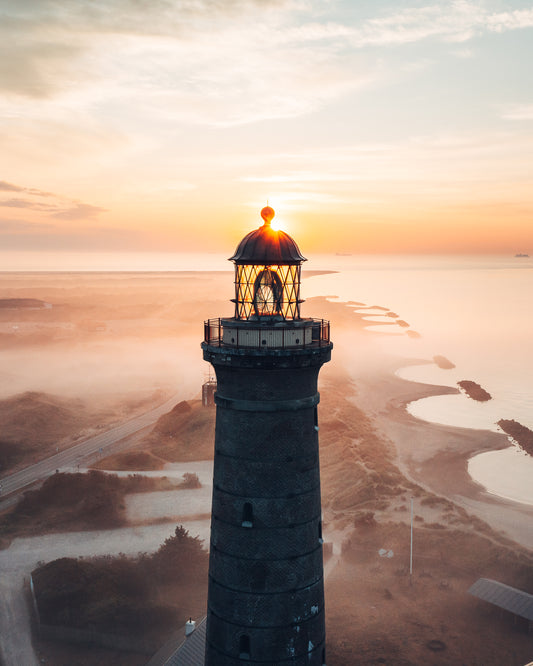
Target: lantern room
267 274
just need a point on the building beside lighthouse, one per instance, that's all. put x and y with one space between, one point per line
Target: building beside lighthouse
266 588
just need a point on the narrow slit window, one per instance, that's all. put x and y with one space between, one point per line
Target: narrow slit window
244 647
247 515
320 532
316 419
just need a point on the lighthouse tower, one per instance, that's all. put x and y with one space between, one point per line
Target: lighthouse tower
266 592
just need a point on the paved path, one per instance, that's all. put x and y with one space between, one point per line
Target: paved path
19 560
15 632
23 555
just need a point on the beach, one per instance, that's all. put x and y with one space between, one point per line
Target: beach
436 456
431 455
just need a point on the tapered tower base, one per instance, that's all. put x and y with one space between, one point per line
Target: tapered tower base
266 594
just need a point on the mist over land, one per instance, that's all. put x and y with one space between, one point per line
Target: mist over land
111 346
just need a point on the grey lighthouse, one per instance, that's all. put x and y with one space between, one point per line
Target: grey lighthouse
266 591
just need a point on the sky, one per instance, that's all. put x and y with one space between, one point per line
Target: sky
166 125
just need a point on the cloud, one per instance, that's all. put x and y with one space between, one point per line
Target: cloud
460 165
60 208
79 211
218 62
215 62
8 187
520 18
518 112
35 66
300 177
456 21
19 227
26 203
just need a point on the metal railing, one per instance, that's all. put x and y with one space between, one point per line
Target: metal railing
320 332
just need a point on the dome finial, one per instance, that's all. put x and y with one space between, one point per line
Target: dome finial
267 214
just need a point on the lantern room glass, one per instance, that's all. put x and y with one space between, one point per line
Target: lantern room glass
267 291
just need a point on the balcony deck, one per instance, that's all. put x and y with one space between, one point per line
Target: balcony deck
293 334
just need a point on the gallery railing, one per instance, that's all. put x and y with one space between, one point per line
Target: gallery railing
320 332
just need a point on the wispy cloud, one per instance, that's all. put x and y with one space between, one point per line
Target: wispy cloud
423 168
455 21
9 187
54 205
78 211
20 227
518 112
212 61
300 177
27 203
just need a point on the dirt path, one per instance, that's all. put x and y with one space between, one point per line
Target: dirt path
17 562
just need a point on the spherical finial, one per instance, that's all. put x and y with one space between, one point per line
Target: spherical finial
267 214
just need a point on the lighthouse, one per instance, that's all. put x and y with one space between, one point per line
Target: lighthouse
266 580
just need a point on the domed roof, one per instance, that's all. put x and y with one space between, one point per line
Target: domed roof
266 246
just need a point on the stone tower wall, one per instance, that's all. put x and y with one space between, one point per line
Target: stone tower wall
266 596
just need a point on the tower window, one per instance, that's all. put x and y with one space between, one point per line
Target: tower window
247 515
320 540
244 647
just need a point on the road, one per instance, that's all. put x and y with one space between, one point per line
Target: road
107 442
24 554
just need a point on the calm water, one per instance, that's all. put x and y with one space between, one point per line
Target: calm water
477 312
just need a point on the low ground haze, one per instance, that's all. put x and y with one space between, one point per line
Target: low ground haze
92 350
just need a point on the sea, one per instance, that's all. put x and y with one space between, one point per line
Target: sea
477 311
474 310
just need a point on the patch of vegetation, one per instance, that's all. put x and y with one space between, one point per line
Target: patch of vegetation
447 552
184 434
34 424
10 454
132 460
351 449
147 596
522 436
94 500
190 480
474 391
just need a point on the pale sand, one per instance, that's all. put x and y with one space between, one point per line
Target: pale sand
436 456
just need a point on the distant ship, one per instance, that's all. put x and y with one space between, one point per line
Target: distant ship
521 254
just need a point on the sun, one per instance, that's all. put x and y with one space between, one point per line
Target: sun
278 225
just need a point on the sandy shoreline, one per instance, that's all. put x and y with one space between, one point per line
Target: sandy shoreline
436 456
431 455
